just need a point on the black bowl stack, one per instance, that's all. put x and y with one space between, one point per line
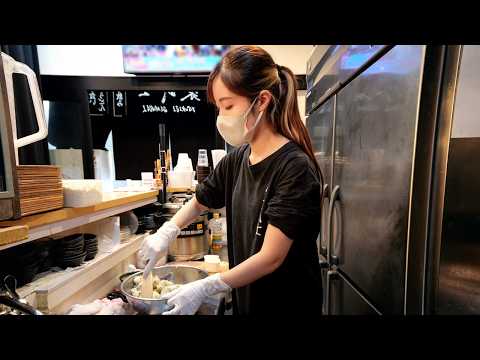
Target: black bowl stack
45 247
23 262
91 246
70 251
27 260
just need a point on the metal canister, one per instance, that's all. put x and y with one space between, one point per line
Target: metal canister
192 242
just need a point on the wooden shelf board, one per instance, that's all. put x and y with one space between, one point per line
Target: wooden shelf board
57 221
13 234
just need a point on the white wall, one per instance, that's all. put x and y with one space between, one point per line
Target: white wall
295 57
85 60
106 60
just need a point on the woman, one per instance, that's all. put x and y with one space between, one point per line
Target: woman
271 187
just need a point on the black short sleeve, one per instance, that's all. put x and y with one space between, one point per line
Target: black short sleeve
295 202
211 192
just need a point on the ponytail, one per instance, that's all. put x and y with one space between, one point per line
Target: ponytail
286 118
247 70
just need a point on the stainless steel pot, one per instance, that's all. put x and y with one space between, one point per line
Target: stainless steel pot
178 274
185 248
192 243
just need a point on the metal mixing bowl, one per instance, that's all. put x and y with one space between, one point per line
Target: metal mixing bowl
178 274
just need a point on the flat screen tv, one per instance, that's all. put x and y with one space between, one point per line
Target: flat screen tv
171 59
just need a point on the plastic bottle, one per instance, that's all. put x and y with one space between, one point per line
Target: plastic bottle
216 233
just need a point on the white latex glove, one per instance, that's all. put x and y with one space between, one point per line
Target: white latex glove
188 298
155 246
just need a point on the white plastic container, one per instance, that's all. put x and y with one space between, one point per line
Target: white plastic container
70 162
212 263
184 163
147 179
107 232
82 193
180 179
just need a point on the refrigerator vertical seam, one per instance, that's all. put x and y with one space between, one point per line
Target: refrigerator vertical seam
412 175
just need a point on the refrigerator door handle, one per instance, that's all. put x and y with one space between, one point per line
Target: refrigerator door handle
324 232
335 260
331 276
326 190
333 198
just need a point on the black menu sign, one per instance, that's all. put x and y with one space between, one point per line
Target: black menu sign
149 103
119 101
169 102
98 102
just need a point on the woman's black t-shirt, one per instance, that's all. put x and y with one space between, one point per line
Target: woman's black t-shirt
283 190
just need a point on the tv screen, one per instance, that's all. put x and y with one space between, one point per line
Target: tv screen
155 59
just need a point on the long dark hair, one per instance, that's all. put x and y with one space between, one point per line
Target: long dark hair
247 70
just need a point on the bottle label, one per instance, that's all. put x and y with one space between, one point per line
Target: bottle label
216 246
217 241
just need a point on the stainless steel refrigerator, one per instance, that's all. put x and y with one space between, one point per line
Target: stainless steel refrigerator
378 117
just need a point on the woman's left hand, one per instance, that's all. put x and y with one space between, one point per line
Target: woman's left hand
188 298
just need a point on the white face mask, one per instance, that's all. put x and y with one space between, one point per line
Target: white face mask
233 127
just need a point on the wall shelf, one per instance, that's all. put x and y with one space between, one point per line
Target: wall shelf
58 291
57 221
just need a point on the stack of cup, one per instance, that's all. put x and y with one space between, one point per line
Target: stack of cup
184 163
203 170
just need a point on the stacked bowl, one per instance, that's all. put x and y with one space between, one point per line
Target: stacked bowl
91 246
23 262
70 251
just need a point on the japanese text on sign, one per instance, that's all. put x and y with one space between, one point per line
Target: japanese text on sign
192 96
178 109
154 108
170 102
101 102
92 98
106 102
98 102
119 101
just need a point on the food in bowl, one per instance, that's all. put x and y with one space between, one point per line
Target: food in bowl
160 287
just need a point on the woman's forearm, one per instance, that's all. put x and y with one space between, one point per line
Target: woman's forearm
189 212
272 254
248 271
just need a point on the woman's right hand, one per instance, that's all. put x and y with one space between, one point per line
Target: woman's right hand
155 246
